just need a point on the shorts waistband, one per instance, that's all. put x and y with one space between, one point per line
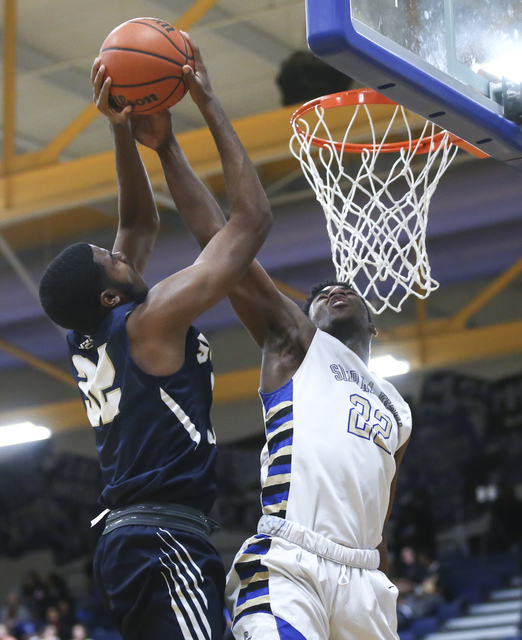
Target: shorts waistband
173 516
318 544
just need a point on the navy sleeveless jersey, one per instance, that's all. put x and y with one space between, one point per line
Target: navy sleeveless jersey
153 433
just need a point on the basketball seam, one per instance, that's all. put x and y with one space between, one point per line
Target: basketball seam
155 81
145 53
147 24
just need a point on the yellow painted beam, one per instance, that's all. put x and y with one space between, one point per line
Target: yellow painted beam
58 416
236 386
9 90
70 414
194 13
23 162
37 363
460 319
40 190
449 347
58 186
443 350
291 292
62 224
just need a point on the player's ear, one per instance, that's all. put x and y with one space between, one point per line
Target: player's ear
373 330
110 298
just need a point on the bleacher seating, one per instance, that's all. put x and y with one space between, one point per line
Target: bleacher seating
486 602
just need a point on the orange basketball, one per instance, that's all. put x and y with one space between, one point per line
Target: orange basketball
144 57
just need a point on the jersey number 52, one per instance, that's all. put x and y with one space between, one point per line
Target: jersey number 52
102 403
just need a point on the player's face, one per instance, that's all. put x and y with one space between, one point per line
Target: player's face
338 303
121 274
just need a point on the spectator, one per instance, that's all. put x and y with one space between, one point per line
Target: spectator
409 567
418 584
5 633
404 611
67 618
13 612
25 630
49 632
34 593
79 632
62 618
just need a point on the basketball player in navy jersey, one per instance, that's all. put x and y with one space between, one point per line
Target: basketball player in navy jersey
146 379
336 434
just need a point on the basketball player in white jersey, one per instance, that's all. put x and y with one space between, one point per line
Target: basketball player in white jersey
336 433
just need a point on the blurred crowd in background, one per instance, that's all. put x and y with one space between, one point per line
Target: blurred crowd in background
458 503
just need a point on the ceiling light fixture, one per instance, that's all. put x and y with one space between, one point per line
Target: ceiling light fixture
388 366
507 64
23 432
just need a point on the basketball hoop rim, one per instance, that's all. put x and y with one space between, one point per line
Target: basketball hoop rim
358 97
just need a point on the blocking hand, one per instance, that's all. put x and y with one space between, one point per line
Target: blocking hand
152 130
199 83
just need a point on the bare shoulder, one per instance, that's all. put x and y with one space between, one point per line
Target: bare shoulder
284 351
158 327
148 348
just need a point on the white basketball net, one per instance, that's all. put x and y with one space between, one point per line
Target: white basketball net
376 219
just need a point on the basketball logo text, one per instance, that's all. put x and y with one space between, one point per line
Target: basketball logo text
165 25
122 101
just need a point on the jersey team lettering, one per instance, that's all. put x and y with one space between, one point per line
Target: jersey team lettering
343 375
359 419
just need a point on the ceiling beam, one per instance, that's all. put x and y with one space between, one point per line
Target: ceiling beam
441 350
194 13
461 318
69 79
454 346
58 416
42 190
37 363
9 90
70 414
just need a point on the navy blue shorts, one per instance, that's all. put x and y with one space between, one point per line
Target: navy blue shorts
161 584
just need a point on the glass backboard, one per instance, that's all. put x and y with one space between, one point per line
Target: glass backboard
455 62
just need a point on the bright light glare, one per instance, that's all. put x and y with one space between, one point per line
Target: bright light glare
388 366
507 65
23 432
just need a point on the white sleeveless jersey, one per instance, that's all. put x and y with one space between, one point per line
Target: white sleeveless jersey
332 432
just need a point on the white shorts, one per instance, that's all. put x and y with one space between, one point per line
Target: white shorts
279 589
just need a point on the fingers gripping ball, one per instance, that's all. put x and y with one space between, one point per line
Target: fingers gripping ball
144 57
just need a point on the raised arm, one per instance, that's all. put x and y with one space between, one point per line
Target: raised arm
260 306
264 311
173 304
138 220
197 206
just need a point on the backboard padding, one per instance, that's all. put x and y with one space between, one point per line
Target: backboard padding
376 61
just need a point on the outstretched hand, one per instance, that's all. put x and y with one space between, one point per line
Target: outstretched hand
152 130
198 81
101 89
